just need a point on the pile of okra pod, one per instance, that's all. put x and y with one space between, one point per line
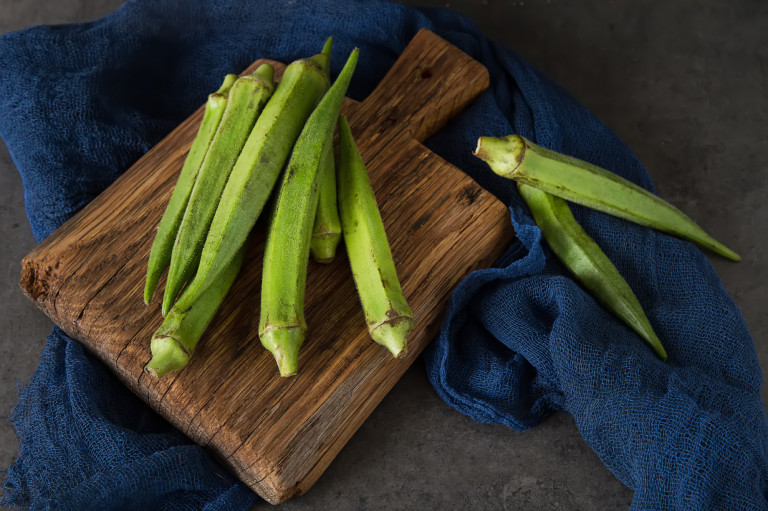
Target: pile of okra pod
547 179
253 132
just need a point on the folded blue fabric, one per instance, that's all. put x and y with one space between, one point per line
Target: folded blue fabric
80 103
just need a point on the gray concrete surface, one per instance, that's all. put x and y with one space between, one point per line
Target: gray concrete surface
683 83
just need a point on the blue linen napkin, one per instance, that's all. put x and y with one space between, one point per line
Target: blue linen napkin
80 103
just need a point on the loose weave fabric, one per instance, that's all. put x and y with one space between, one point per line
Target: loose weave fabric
80 103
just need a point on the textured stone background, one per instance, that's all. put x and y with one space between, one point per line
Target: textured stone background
683 83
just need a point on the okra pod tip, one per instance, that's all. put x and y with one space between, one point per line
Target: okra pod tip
327 47
229 81
284 344
504 155
265 74
323 247
218 99
393 334
168 354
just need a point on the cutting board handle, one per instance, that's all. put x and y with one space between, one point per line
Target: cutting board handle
434 81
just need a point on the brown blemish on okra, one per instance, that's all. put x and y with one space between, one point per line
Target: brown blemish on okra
389 333
581 182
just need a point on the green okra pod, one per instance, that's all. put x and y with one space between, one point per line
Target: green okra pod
257 168
246 100
173 343
584 258
575 180
282 325
326 231
160 255
387 314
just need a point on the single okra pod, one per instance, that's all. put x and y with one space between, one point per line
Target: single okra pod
584 258
173 343
518 158
282 326
387 314
160 255
246 100
326 231
257 168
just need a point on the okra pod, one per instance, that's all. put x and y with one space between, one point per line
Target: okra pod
246 100
387 314
257 168
282 326
588 263
575 180
160 255
173 343
326 231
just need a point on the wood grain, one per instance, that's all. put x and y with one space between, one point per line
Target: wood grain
279 434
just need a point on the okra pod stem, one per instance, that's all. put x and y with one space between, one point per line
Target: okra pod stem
160 255
257 168
588 263
327 48
173 343
282 326
326 231
387 314
246 100
575 180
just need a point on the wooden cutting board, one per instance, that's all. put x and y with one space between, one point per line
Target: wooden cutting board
279 434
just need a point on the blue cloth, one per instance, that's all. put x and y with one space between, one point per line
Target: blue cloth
80 103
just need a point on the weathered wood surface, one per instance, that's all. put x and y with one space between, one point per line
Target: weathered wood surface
278 435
